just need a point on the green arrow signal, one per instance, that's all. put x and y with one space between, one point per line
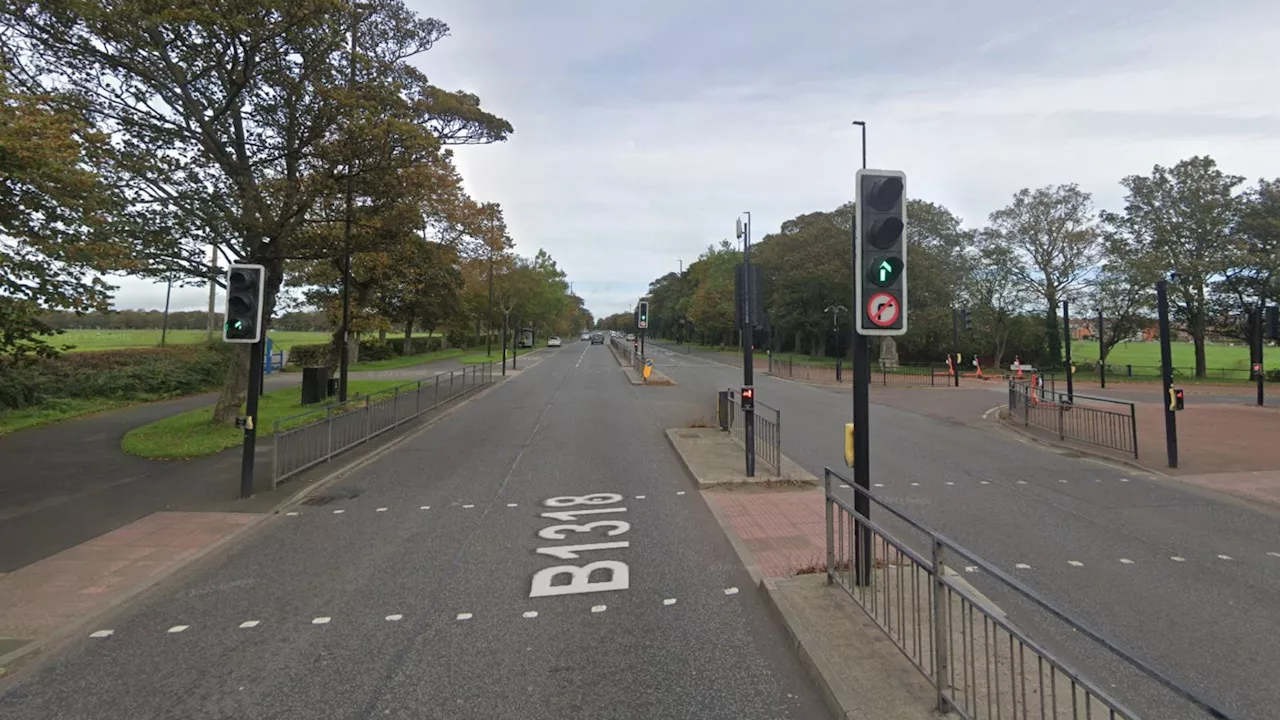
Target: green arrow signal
885 271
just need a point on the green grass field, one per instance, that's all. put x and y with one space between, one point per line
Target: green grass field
1147 354
88 340
192 434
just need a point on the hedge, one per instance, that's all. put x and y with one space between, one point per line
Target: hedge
136 373
370 350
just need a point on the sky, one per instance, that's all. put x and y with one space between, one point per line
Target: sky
644 129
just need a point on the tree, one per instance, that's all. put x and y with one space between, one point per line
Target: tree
1055 245
238 127
51 211
1125 288
1183 218
995 294
1252 278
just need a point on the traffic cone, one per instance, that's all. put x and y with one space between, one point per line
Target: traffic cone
977 365
1017 363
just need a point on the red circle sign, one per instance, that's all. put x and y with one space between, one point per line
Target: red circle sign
883 309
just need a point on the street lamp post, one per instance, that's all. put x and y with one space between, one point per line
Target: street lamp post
344 360
488 318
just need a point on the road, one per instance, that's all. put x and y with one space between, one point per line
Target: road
420 587
1186 580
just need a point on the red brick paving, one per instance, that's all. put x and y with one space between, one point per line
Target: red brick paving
784 531
1212 438
37 599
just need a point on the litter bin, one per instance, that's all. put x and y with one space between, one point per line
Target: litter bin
333 387
314 380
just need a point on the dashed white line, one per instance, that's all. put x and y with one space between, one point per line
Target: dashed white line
380 510
394 618
512 504
1022 566
1064 482
1124 479
464 616
879 484
178 628
680 493
915 484
639 497
669 601
843 485
1225 557
425 507
599 608
731 591
950 483
321 621
984 482
530 614
1176 558
1274 554
971 568
467 507
101 633
1075 563
338 512
1022 482
291 514
1126 561
249 624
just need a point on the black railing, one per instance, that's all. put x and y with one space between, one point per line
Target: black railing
1094 420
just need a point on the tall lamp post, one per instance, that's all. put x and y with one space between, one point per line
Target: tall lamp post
344 360
835 311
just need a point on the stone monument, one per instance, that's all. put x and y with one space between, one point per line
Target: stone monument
888 353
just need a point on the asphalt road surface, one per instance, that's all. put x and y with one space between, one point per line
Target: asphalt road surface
424 587
1185 579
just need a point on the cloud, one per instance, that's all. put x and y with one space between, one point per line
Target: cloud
644 129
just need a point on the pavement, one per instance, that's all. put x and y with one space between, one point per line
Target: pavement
432 582
68 482
1128 552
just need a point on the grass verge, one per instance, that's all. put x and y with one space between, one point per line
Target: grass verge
405 361
192 434
57 409
478 358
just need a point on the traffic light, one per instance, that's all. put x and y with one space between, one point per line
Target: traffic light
968 320
748 398
880 240
643 317
244 303
1176 399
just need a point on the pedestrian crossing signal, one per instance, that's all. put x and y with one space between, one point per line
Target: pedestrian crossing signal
1176 399
748 398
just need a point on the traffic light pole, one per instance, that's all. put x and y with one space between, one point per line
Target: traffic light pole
955 345
1102 352
1066 344
1262 349
748 362
861 381
251 419
1166 373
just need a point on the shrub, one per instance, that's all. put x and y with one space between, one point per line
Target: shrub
308 355
1273 375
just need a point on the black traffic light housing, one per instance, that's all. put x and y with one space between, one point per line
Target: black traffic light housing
1273 322
881 243
748 398
968 320
1176 399
642 317
245 284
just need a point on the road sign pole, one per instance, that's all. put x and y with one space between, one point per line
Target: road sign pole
955 345
1066 340
1102 353
1261 349
1166 373
748 362
861 381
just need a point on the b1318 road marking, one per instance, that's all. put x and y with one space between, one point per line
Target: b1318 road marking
609 574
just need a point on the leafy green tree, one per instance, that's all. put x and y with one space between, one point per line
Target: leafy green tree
1252 278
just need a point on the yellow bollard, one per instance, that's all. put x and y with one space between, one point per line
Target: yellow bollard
848 444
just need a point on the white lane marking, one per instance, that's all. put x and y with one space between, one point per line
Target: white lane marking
915 484
1064 482
1175 558
843 485
531 614
395 618
1124 479
599 608
380 510
731 591
249 624
878 485
512 504
1126 561
950 483
639 497
1075 563
1225 557
1097 479
1274 554
101 633
669 601
464 616
425 507
178 628
984 482
1022 482
321 621
291 514
1022 566
467 507
338 512
987 414
680 493
971 568
584 354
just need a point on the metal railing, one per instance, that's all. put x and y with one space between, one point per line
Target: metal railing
842 372
981 664
309 438
1079 417
634 357
768 426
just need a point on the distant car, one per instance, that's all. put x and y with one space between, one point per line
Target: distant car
597 338
631 337
586 336
553 341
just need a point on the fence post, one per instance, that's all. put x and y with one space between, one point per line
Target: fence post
368 419
1026 407
451 372
1061 415
328 424
1133 429
777 439
275 452
831 523
436 403
417 400
941 623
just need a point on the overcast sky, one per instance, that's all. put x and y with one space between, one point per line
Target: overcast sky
642 129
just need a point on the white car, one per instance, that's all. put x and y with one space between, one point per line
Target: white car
553 342
586 336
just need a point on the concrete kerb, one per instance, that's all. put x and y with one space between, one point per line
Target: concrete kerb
68 631
1003 422
708 454
656 377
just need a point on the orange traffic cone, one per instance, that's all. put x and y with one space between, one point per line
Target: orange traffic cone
1017 363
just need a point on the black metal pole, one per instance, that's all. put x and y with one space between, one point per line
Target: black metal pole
861 381
344 359
251 420
488 316
1066 344
1102 352
164 325
1166 373
504 342
955 344
515 341
748 362
1262 349
642 333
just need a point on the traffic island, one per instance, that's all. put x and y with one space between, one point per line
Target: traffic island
716 458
